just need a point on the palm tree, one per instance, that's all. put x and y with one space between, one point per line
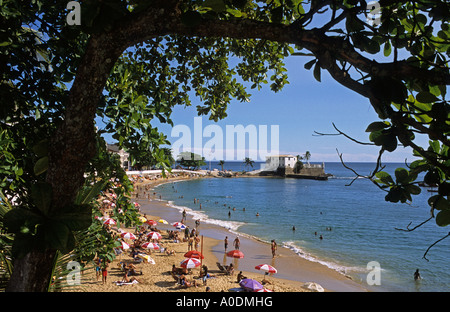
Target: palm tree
307 156
248 162
221 163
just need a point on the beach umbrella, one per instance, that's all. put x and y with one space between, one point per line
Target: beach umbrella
147 258
267 268
151 222
235 254
190 263
250 284
150 246
178 225
109 221
124 246
194 254
128 235
163 221
142 219
264 290
154 235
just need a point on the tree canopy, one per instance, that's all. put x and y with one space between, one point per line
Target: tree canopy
130 62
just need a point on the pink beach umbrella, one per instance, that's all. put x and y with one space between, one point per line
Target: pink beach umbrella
128 235
150 246
190 263
267 268
154 235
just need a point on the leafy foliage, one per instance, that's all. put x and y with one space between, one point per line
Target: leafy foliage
130 62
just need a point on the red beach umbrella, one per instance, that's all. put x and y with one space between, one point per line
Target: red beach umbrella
235 254
194 254
154 235
267 268
151 222
190 263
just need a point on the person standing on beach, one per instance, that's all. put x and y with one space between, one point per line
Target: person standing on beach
274 248
104 272
237 243
226 243
183 216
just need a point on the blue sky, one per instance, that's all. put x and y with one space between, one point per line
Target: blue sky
302 107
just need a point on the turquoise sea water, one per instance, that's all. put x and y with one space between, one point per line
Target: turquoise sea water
356 223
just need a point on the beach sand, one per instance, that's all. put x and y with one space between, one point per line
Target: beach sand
293 271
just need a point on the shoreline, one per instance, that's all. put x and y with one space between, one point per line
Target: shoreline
294 272
291 267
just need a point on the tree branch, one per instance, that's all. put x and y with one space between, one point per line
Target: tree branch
431 246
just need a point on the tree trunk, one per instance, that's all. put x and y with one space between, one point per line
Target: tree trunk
71 148
32 273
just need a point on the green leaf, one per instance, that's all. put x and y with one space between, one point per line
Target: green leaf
87 194
387 48
402 175
41 193
41 165
41 149
394 195
413 189
443 218
316 72
57 235
18 220
377 125
384 177
309 64
440 203
389 142
76 217
426 97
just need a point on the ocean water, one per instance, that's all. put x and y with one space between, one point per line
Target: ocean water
356 224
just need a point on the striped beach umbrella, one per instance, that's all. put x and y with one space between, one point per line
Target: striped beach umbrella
150 246
109 221
128 235
267 268
179 225
124 246
151 222
163 221
190 263
154 235
264 290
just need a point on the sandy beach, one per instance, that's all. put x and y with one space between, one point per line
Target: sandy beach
294 273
